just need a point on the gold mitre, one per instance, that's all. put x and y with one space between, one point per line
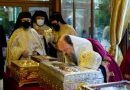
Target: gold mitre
90 60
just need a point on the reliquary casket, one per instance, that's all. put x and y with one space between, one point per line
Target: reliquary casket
24 71
58 76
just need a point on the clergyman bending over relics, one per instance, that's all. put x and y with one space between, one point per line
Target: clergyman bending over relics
78 50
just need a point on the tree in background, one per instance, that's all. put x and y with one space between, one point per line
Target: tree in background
101 16
102 12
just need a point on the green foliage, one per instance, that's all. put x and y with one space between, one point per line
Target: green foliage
8 24
102 13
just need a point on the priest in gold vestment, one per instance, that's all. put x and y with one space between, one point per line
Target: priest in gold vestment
59 27
24 41
40 23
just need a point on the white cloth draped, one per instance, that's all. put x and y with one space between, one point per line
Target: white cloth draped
80 44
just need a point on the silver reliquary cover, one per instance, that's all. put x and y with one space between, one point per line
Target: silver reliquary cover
62 77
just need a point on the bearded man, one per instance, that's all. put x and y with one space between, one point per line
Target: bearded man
24 40
74 47
59 27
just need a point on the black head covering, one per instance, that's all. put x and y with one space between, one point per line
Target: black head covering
40 13
21 15
57 16
24 15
